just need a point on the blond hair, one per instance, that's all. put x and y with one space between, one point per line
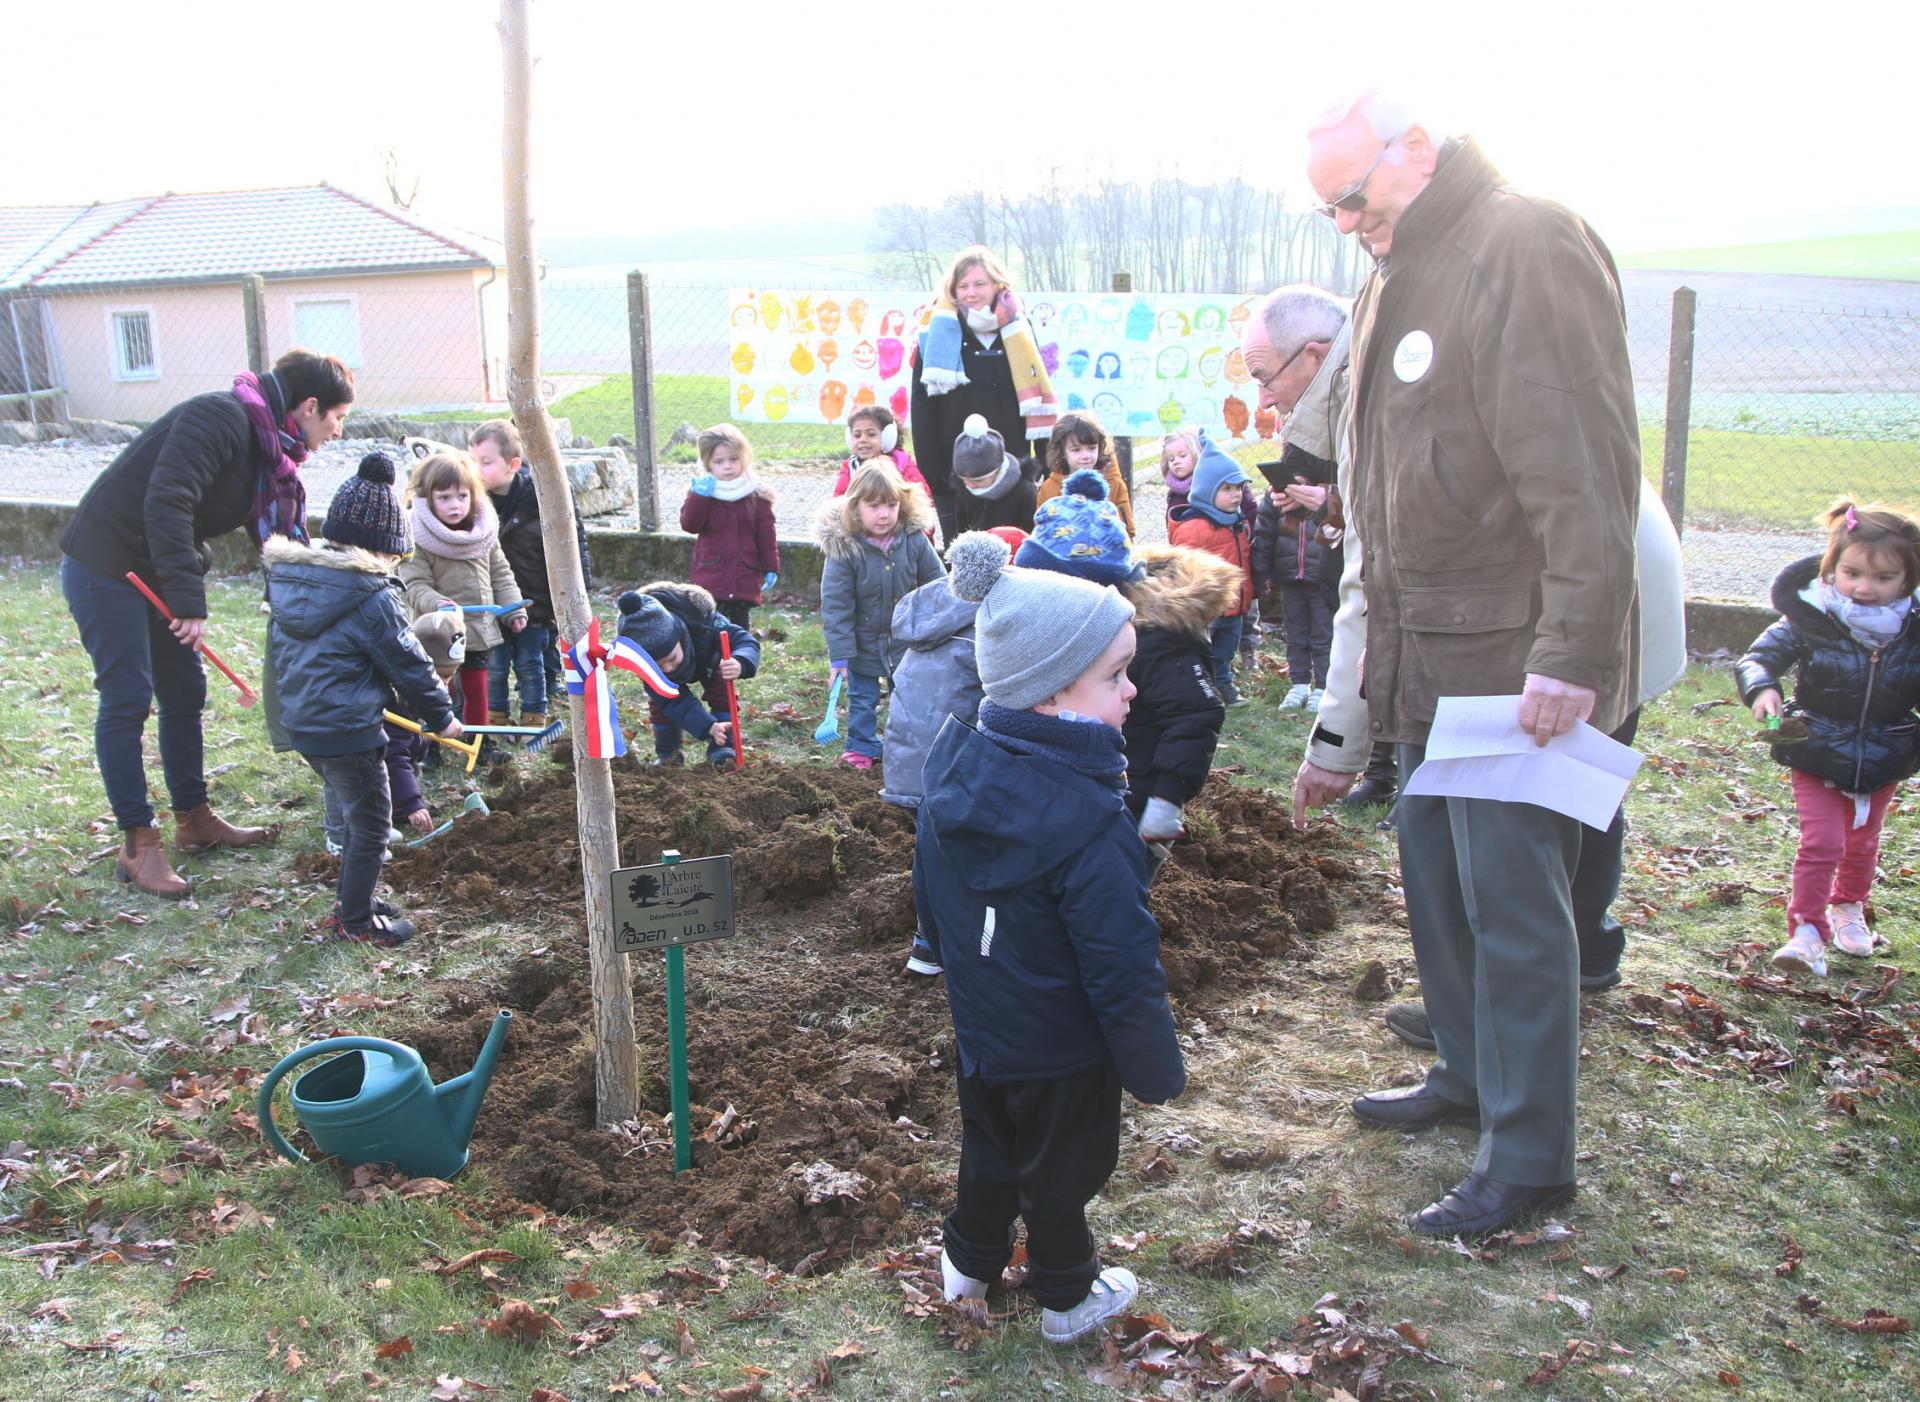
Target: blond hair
1188 437
978 256
502 434
877 480
444 470
711 440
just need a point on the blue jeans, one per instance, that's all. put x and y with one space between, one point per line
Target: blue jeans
863 720
1225 634
136 660
525 652
357 793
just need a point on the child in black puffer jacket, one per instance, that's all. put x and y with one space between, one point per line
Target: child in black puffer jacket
1851 734
680 626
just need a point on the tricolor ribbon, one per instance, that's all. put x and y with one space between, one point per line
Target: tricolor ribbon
586 663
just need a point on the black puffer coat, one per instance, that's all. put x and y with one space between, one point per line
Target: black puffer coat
518 508
1858 704
1174 723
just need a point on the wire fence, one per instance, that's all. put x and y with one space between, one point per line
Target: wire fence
1782 407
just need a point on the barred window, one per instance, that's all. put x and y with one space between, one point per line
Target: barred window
133 357
328 326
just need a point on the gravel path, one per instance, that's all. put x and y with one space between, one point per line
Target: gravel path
1738 565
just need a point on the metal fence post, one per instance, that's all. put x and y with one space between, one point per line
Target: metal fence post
1123 447
1673 469
646 442
253 299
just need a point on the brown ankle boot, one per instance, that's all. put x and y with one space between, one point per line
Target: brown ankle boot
200 830
499 718
144 862
535 719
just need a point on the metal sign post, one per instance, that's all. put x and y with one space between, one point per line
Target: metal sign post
670 906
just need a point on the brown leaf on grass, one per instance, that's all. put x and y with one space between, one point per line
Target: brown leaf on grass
643 1380
55 1309
395 1348
447 1388
683 1344
1155 1166
1581 1309
1417 1337
296 1360
581 1288
230 1216
547 1394
628 1306
472 1258
749 1388
1605 1273
1212 1258
1790 1262
520 1322
1729 1378
1872 1322
1676 1274
1552 1367
198 1276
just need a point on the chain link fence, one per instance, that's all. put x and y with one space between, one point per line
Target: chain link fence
1780 408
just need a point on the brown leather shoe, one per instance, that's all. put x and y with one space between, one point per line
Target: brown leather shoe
144 862
499 718
201 830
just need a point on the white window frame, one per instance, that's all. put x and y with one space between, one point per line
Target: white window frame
352 299
116 363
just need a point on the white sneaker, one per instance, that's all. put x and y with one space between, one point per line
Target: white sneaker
1313 699
1805 953
958 1286
1850 932
1296 697
1111 1294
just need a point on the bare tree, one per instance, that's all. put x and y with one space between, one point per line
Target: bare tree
390 168
903 236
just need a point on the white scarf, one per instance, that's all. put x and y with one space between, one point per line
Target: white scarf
984 322
1873 626
735 488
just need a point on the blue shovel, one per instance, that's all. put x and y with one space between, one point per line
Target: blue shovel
829 729
497 610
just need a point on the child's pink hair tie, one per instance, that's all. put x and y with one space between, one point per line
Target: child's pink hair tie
1853 520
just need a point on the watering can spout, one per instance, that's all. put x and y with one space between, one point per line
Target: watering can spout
460 1097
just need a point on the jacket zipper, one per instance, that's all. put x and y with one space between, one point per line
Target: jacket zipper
1860 732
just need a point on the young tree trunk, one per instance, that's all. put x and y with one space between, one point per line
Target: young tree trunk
617 1057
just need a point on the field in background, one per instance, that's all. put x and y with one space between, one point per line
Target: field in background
1892 256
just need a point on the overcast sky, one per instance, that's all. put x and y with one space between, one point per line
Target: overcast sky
1667 124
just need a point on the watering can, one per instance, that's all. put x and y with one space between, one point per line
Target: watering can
377 1104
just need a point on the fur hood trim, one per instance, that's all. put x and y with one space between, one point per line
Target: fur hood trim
916 514
283 550
701 599
1184 589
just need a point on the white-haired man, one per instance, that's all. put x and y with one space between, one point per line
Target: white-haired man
1494 481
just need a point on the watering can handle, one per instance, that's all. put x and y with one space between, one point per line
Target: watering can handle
286 1063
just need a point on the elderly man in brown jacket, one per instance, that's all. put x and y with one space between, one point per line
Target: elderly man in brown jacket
1494 479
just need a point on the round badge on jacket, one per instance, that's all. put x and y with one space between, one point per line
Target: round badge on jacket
1413 357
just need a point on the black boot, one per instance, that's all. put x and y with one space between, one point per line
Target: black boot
1381 782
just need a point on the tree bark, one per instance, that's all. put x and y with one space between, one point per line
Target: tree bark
617 1056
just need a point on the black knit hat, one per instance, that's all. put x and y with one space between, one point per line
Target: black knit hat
366 513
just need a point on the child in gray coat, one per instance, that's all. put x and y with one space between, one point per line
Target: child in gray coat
877 553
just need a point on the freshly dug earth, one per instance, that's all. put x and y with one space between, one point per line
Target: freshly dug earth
821 1075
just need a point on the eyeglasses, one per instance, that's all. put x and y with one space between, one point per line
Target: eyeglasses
1267 382
1355 199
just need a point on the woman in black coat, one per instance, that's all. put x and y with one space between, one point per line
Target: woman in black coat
215 463
936 414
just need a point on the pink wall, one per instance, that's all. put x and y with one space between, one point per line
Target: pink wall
419 340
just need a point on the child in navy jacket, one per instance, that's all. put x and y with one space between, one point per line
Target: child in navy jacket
680 627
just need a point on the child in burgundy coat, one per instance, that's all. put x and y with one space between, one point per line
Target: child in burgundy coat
736 556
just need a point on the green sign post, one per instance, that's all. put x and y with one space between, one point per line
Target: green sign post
669 906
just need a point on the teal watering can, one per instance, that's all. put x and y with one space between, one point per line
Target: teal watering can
377 1104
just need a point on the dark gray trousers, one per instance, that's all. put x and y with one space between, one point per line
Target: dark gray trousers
1490 909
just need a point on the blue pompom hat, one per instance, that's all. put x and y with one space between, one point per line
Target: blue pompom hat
1214 470
1080 533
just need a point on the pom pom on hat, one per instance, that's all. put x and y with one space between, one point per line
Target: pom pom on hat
1080 533
631 600
978 451
1086 483
974 564
377 467
975 426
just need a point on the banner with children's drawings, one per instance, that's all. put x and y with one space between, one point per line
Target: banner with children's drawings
1144 363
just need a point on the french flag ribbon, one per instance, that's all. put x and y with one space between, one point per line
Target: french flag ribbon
585 665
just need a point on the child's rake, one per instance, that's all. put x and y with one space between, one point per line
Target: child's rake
538 736
469 748
829 729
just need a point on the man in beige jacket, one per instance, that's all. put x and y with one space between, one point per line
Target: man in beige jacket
1494 479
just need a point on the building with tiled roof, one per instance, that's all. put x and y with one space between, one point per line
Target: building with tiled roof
135 305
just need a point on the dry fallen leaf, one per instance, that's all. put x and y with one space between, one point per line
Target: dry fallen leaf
199 1276
395 1348
472 1258
520 1321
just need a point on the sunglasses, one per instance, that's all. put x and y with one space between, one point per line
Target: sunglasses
1355 199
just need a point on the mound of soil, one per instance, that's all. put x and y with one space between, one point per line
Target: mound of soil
821 1075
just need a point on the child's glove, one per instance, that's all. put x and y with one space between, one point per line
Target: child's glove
704 484
1161 821
768 580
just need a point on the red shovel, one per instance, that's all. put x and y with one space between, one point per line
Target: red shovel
733 705
247 698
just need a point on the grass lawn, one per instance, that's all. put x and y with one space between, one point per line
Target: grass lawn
1894 256
607 409
148 1247
1783 480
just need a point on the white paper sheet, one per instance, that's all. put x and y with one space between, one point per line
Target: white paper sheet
1476 749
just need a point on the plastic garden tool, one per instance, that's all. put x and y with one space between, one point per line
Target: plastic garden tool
377 1104
473 803
247 698
829 729
1779 730
538 736
469 748
733 706
497 610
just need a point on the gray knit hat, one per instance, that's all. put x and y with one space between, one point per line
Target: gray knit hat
978 451
1036 631
365 512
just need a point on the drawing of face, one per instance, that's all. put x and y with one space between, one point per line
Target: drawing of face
1108 406
802 359
1211 364
1074 401
864 396
1235 413
899 402
742 397
743 359
1108 313
776 403
769 311
1237 367
1107 367
833 400
803 312
1040 317
857 313
1172 363
1137 367
1174 323
1077 364
1203 411
1208 320
1237 318
1265 421
1171 413
828 315
1074 319
894 323
829 352
891 356
744 315
864 355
